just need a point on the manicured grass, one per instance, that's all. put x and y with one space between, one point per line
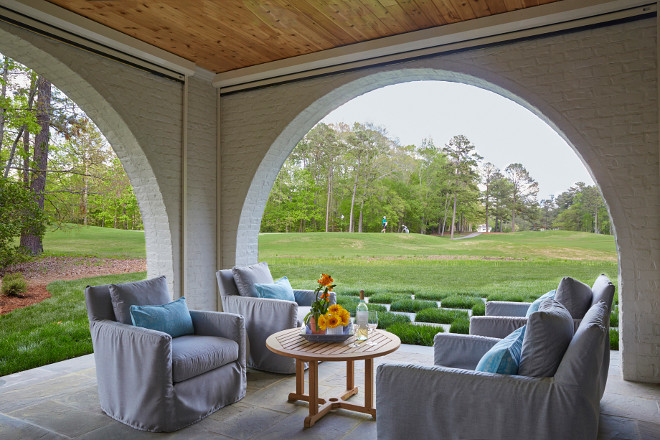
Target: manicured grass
387 319
460 302
415 334
515 297
479 309
387 298
440 316
614 339
75 240
460 326
350 303
546 245
411 305
53 330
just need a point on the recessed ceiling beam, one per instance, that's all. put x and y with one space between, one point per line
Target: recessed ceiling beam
517 24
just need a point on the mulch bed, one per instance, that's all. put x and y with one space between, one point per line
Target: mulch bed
41 272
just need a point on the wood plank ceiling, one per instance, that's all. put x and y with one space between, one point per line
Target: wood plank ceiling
223 35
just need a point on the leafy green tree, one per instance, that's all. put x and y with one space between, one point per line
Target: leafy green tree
463 159
523 190
18 211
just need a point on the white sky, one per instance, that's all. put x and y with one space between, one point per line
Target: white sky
502 131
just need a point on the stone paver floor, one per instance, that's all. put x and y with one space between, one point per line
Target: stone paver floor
60 401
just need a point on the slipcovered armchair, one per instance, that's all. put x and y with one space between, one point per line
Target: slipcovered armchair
456 399
152 381
263 316
503 317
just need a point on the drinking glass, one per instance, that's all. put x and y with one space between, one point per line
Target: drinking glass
372 324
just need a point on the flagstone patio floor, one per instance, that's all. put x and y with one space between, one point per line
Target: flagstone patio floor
60 401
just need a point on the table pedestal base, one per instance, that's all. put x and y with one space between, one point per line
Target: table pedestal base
319 407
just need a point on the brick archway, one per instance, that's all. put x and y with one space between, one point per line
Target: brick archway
114 128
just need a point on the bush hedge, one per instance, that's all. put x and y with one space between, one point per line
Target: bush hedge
415 334
411 305
440 316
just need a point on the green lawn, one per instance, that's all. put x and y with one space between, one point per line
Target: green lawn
53 330
75 241
389 267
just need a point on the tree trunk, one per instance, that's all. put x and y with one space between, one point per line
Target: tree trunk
3 93
453 219
513 215
361 216
444 220
596 220
351 224
85 188
26 158
329 198
29 240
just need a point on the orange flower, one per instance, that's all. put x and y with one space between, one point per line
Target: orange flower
332 321
321 322
345 316
325 280
325 296
334 309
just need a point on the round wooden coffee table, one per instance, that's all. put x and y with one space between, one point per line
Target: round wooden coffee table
290 343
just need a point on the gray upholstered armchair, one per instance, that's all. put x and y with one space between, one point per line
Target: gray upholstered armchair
263 316
153 382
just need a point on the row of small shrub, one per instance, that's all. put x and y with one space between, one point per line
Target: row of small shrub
440 316
13 284
415 334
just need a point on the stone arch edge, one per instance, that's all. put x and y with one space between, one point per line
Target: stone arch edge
119 135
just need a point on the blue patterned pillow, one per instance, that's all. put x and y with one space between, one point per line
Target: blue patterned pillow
173 318
504 357
281 289
534 307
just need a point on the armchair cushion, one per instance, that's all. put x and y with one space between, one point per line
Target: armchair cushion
549 331
575 296
138 293
281 289
195 355
172 318
247 276
504 357
535 305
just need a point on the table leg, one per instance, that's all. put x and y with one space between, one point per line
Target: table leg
350 375
313 387
369 385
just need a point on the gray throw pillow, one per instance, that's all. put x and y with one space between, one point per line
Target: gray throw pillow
575 296
549 331
246 277
138 293
603 290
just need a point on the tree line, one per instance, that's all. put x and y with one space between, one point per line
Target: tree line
55 166
347 178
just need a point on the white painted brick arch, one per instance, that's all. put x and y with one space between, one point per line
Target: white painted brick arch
596 87
66 67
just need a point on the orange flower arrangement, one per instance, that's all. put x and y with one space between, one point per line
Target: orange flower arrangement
322 302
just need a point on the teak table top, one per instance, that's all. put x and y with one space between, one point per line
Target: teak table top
290 343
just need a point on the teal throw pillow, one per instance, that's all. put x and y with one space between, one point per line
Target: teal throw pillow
173 318
504 357
281 289
534 307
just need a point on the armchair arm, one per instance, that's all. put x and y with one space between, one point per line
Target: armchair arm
129 359
437 402
307 297
506 308
263 317
495 326
226 325
460 351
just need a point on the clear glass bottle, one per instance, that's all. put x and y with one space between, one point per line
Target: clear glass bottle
362 319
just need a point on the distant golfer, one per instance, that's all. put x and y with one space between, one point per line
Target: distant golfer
384 224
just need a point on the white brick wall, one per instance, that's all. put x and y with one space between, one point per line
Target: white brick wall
597 87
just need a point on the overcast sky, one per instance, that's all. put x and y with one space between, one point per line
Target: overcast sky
502 131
